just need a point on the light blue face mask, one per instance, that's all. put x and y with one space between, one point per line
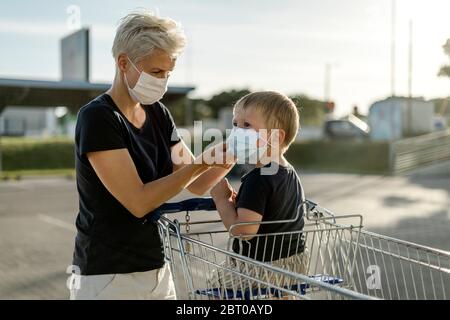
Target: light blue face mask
243 144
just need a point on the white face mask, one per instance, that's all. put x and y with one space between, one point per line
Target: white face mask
148 89
243 144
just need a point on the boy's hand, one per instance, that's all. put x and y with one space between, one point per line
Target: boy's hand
233 197
223 191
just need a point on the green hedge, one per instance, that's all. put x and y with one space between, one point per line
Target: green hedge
31 154
340 156
351 157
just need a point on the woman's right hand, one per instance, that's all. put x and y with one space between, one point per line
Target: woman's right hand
217 156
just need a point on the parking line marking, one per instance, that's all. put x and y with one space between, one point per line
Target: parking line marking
57 222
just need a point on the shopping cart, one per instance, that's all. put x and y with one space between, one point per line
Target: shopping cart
390 268
341 261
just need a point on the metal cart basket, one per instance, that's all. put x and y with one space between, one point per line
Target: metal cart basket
332 257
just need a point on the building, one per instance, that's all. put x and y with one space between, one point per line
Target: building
398 117
32 107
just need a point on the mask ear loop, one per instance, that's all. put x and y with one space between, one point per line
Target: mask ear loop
134 66
126 80
266 140
125 74
268 144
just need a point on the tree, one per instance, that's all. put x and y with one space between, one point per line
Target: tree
201 109
312 112
225 99
445 70
442 106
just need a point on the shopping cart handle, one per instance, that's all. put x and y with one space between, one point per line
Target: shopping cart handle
194 204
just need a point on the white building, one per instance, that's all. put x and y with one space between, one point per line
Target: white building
396 117
28 121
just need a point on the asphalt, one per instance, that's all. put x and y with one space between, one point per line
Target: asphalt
37 221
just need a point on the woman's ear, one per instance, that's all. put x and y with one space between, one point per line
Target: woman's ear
122 62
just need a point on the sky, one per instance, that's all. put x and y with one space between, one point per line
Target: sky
280 45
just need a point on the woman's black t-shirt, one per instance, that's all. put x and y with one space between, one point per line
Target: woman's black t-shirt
276 197
109 238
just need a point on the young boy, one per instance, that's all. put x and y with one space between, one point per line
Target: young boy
271 195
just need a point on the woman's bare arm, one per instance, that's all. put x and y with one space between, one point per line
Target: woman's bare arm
116 170
182 155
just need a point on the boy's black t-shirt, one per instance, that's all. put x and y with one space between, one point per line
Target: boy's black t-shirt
109 238
276 197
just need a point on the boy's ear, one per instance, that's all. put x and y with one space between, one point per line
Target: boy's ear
278 136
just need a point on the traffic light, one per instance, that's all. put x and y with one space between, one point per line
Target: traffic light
329 107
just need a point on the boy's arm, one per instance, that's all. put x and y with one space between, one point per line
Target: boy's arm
223 196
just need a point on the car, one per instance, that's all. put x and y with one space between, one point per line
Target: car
351 128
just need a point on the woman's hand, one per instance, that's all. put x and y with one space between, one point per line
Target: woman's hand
181 155
117 172
217 156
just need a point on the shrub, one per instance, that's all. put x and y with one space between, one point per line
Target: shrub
28 153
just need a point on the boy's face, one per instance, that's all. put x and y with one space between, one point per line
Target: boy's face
248 118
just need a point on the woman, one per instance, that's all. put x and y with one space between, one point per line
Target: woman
125 140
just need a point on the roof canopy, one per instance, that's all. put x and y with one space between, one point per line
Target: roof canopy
72 94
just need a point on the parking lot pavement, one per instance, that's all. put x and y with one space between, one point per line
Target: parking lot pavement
37 221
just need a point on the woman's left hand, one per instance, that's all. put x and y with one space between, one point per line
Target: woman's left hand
218 156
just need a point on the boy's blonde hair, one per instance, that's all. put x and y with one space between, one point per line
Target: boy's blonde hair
278 111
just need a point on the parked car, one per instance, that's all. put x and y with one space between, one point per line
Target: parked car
351 128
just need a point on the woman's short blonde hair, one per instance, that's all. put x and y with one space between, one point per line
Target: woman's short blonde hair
278 111
142 31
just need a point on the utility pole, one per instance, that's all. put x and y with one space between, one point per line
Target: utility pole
393 46
393 52
327 83
1 136
410 71
189 108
